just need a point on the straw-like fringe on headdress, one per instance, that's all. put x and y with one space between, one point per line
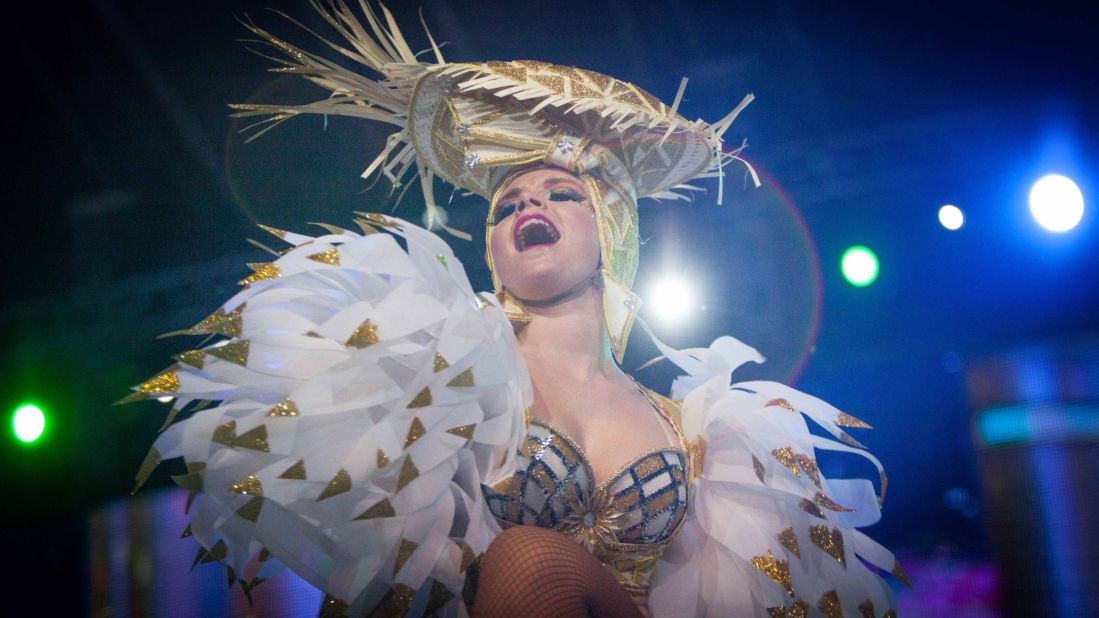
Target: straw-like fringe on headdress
476 123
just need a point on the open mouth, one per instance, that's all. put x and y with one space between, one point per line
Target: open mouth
533 231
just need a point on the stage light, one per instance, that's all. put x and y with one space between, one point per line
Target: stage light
671 299
951 217
28 422
1056 203
859 266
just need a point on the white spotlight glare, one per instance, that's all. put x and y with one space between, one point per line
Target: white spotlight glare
1056 203
671 299
951 217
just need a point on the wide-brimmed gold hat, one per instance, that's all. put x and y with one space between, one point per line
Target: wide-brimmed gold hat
477 124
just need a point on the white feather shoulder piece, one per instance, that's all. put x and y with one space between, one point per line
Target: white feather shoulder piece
766 534
363 394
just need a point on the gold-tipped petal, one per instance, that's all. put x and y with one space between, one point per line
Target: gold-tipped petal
377 219
846 420
440 363
194 358
422 399
468 557
217 553
383 459
395 602
809 466
249 486
438 597
809 507
251 509
286 407
800 609
365 335
328 227
866 609
186 532
829 605
782 403
255 439
381 509
262 271
822 500
225 433
235 352
366 228
340 483
465 431
830 542
846 437
898 572
777 570
404 552
789 540
785 456
330 256
272 230
462 380
757 465
163 384
415 431
219 322
151 461
409 473
295 472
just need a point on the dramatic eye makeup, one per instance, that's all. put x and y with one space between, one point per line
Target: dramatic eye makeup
565 194
503 211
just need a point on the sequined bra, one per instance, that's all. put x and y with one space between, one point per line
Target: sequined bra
626 521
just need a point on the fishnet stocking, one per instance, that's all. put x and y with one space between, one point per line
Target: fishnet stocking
538 573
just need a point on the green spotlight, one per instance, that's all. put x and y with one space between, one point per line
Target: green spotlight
28 422
859 266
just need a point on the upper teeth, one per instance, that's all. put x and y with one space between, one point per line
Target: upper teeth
521 237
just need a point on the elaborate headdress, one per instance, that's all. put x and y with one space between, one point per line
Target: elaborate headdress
477 124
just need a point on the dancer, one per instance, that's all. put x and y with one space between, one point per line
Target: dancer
409 446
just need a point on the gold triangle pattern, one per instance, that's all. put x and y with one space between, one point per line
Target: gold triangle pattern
235 352
295 472
462 380
340 483
330 257
381 509
422 399
286 407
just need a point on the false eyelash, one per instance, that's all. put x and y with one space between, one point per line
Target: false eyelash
566 195
503 211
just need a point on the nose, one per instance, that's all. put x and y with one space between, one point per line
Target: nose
528 200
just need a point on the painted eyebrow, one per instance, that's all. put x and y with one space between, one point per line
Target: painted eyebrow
547 183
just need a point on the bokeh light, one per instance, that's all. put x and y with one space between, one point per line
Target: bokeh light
859 266
1056 203
951 217
671 299
28 422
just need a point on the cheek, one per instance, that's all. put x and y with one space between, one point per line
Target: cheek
498 249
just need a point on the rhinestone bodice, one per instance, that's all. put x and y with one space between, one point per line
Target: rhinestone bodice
626 521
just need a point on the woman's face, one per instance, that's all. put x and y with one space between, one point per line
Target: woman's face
546 239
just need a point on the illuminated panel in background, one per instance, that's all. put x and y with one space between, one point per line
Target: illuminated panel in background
1036 425
139 566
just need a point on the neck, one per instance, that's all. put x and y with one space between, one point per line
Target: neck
568 338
